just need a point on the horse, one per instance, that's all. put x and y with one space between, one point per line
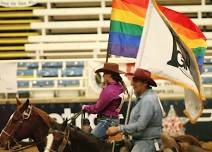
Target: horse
72 138
182 143
27 121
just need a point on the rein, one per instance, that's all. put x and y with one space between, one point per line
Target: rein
74 117
21 148
25 147
65 141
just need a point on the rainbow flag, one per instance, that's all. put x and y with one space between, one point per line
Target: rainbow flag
126 27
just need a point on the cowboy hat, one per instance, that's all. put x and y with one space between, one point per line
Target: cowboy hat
143 75
110 67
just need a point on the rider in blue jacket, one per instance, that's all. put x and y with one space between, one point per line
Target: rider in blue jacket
145 122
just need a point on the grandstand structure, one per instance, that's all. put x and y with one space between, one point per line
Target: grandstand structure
54 41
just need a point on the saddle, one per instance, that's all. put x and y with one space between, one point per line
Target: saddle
115 138
121 142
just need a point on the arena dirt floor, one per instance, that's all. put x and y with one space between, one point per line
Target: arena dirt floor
32 149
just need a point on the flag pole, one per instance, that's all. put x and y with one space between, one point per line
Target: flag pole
128 107
145 32
107 56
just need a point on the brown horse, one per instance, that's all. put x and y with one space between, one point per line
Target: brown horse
183 143
73 139
26 122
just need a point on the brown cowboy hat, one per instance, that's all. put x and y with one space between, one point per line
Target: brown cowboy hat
143 75
110 67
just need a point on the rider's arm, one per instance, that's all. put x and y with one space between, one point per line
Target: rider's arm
105 98
141 116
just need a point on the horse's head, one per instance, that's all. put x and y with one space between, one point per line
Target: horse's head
26 122
16 120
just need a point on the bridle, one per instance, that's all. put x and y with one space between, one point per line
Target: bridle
3 131
17 147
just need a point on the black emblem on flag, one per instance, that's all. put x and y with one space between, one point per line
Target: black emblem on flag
180 58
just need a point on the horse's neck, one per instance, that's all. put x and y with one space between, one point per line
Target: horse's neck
84 140
45 117
41 127
39 134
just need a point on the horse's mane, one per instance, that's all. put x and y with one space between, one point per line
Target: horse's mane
45 116
90 138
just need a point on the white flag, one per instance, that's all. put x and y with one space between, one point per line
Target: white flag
166 56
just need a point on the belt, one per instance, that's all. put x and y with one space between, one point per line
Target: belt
105 117
147 138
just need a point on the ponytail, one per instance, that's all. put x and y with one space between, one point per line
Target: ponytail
118 79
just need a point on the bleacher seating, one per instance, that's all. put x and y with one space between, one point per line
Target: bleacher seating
64 78
25 73
74 64
208 60
65 83
52 65
23 84
59 36
207 80
14 30
48 72
43 83
32 65
92 32
73 71
207 69
58 27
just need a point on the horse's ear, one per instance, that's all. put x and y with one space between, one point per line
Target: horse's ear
24 106
18 102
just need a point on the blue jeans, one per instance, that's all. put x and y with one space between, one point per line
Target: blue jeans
102 125
144 146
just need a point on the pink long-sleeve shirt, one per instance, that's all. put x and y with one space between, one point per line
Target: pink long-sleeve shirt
108 102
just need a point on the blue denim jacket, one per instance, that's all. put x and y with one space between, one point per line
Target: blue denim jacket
145 118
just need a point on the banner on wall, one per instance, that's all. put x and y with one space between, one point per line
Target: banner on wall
8 80
17 3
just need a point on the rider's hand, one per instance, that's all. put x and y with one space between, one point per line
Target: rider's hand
83 107
113 130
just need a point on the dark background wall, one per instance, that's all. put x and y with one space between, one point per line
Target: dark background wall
201 130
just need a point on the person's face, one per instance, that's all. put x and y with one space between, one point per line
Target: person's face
139 86
106 76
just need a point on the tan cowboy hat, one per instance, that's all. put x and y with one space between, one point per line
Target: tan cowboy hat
110 67
143 75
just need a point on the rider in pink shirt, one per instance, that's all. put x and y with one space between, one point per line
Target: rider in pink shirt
107 106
